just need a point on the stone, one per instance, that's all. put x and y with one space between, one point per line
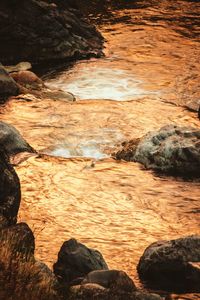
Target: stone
172 265
75 261
172 149
8 86
22 66
12 141
37 31
112 279
27 79
10 193
97 292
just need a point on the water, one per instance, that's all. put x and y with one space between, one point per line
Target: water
149 74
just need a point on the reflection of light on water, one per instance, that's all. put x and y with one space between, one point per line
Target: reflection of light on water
82 151
93 82
86 144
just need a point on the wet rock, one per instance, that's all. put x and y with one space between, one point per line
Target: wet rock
172 265
75 261
97 292
22 66
112 279
171 149
27 79
8 86
59 95
38 31
10 194
12 141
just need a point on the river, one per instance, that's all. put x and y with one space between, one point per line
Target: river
149 75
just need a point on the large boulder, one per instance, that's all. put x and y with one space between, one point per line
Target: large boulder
172 149
8 86
172 265
12 141
10 193
38 31
75 261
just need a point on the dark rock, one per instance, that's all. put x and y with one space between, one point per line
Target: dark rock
12 141
10 194
172 265
8 86
22 66
38 31
75 261
112 279
172 149
97 292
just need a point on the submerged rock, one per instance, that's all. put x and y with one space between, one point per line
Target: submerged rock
172 265
75 261
8 86
12 141
38 31
170 149
10 193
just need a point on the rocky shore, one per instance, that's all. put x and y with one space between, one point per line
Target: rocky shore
80 272
39 32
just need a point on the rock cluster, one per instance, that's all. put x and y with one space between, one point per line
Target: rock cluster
38 31
172 149
80 272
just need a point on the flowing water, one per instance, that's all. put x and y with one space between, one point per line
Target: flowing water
148 76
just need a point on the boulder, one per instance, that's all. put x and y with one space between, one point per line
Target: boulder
75 261
12 141
172 265
10 193
172 149
38 31
8 86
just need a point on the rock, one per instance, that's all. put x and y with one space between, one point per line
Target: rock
8 86
97 292
112 279
22 66
10 193
12 141
27 79
75 261
172 149
172 265
37 31
59 95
